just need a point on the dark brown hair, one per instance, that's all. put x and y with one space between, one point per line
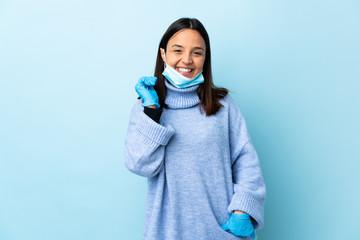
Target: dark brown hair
208 93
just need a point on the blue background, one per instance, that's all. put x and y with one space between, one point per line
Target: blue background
67 76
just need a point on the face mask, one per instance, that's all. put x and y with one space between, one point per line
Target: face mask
180 81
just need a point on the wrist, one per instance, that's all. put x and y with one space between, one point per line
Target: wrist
151 106
238 211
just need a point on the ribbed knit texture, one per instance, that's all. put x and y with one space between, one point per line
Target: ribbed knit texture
178 98
199 168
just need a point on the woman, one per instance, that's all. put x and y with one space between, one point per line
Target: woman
190 140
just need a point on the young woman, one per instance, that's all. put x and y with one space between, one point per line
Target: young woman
190 140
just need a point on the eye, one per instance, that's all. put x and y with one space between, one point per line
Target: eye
177 50
198 53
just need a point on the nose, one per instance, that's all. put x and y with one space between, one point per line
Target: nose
187 59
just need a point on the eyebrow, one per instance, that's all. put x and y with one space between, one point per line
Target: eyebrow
177 45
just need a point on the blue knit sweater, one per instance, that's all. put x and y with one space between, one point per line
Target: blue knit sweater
199 169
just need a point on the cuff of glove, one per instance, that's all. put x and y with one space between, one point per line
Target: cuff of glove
240 215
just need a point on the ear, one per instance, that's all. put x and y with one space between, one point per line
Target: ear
162 54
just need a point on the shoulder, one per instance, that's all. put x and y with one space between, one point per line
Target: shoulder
230 105
235 118
228 100
137 107
138 103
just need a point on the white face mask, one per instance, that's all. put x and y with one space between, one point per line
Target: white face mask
180 81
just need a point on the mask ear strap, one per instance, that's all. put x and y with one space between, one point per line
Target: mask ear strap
165 59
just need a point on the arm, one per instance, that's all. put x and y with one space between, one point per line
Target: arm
145 143
249 186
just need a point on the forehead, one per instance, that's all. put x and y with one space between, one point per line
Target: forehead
187 38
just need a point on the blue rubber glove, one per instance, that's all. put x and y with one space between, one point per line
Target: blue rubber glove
145 88
240 225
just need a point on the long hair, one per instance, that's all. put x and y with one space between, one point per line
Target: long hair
208 93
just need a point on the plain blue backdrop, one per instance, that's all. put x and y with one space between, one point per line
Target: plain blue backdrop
67 76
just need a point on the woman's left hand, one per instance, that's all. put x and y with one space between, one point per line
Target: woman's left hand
240 225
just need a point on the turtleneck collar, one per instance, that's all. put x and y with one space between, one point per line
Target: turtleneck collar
177 98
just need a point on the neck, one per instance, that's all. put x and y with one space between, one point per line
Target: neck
177 98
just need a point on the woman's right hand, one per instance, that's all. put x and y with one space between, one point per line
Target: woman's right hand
145 88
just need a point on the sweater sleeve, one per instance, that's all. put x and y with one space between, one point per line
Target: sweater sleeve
145 143
248 182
